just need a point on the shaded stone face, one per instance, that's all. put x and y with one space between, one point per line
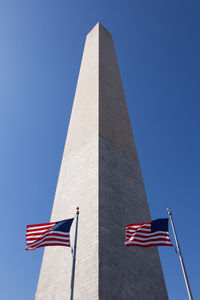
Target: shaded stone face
100 173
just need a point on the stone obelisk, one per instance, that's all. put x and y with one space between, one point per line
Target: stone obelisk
100 173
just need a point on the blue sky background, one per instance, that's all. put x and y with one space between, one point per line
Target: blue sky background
158 46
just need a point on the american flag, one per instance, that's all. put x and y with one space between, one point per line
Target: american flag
48 234
154 233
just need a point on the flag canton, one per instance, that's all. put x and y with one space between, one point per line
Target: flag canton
159 225
63 226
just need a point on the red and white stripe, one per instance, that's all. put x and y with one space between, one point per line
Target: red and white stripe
41 235
141 235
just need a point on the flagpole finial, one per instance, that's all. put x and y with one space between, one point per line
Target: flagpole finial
77 210
169 212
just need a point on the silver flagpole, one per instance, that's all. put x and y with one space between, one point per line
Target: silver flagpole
74 255
180 257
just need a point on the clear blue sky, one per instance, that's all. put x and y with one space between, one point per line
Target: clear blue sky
158 46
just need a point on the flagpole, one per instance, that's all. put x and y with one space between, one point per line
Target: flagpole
74 255
180 257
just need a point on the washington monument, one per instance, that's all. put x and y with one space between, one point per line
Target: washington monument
100 173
